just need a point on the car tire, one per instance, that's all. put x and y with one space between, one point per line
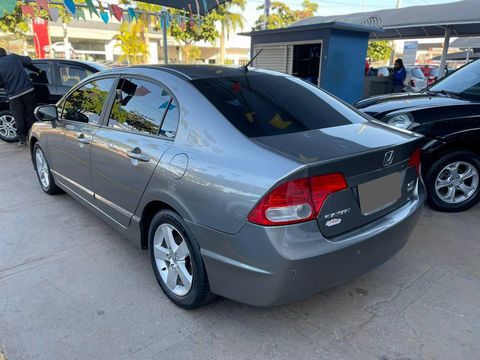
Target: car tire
7 126
42 169
177 261
453 181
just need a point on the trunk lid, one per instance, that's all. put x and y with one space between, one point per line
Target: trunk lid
373 157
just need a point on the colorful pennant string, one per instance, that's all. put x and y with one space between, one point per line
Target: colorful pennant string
27 10
54 13
116 12
70 7
7 6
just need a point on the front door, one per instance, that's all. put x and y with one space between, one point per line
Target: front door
70 140
141 127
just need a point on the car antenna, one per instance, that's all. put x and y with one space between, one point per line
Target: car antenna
250 62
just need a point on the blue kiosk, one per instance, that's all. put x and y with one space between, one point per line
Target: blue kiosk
331 55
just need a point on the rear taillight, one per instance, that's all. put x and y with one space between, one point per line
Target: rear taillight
296 201
415 160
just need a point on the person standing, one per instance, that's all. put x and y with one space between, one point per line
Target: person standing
399 76
19 90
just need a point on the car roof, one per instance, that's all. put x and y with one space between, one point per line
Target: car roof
195 72
98 67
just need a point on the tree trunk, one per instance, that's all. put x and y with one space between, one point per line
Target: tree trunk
222 45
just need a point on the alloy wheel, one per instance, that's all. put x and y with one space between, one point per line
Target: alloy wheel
8 128
42 168
457 182
173 259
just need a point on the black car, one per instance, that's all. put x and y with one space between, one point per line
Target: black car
448 114
52 80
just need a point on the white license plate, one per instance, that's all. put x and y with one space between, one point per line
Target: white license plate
379 193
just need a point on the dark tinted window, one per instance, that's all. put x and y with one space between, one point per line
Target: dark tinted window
41 74
139 106
264 104
85 104
71 75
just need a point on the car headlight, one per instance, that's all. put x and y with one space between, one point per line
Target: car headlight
402 121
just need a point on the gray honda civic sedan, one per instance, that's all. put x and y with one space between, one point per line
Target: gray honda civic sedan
244 183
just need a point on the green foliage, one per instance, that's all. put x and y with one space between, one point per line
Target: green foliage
379 50
281 15
192 33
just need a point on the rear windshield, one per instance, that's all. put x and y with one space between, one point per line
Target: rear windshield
417 73
265 104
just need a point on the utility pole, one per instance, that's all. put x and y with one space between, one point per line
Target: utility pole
267 13
399 3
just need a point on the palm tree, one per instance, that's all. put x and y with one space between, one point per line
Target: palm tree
229 21
131 44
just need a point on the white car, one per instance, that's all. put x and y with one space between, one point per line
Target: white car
60 47
415 80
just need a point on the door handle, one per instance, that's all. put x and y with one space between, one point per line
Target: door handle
137 155
82 139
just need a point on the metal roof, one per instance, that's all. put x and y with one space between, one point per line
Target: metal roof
463 17
466 43
314 26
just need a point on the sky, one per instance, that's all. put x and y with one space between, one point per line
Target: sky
326 7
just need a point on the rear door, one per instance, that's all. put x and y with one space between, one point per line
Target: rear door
43 82
69 75
70 139
140 127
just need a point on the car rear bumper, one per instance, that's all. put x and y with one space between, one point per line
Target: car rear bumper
266 266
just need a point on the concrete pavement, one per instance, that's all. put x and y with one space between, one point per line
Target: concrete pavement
73 288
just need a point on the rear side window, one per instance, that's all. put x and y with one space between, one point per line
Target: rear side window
140 106
86 103
264 104
72 75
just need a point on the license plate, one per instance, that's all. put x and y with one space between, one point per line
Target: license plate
379 193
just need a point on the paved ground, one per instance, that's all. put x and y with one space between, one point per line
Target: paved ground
72 288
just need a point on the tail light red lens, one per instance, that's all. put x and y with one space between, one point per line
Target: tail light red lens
296 201
415 160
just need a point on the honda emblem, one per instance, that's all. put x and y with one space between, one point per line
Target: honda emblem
388 158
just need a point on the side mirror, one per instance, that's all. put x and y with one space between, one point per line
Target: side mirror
46 113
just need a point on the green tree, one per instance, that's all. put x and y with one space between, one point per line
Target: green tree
281 15
130 42
379 50
229 21
189 34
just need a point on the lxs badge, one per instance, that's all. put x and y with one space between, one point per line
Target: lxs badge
333 222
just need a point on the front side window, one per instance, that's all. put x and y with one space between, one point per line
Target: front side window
71 75
264 104
464 82
40 73
140 106
86 103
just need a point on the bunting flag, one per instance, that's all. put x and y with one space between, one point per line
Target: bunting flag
27 10
81 14
104 16
91 8
42 4
7 6
116 12
70 7
54 13
100 6
131 14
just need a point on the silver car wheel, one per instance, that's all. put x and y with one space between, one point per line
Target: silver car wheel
42 168
457 182
173 259
8 128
